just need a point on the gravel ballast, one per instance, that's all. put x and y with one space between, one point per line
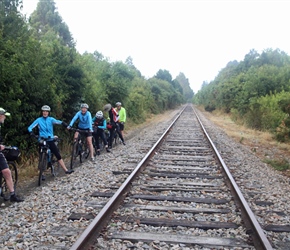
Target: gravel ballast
41 221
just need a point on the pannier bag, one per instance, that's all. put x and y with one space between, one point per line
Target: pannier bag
11 154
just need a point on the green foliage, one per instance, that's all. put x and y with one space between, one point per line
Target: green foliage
164 75
254 90
280 165
46 21
140 100
181 83
39 65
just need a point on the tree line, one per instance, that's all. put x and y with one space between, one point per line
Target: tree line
254 91
39 65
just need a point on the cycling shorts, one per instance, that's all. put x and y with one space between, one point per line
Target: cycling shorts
86 134
3 162
121 126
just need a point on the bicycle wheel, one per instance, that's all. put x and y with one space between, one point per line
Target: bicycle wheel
85 151
5 192
54 166
94 145
116 137
42 166
74 154
102 145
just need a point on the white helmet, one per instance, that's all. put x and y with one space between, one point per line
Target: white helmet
4 112
84 105
45 108
99 115
118 104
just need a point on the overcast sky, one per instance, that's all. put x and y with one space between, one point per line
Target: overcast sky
197 38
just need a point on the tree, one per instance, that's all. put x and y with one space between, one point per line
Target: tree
164 75
46 19
186 90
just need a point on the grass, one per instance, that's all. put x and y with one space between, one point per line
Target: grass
261 143
280 165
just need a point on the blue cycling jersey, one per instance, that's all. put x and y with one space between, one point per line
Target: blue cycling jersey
45 125
85 120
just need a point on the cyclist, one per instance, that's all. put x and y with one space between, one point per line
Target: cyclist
45 125
85 124
4 168
122 116
114 125
100 124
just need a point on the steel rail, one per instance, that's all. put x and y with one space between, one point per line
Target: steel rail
259 238
83 242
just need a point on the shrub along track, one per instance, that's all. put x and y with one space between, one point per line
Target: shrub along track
180 195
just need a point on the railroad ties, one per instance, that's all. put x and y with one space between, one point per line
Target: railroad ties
179 199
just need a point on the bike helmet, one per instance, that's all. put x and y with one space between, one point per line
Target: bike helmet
118 104
107 107
45 108
4 112
99 115
84 105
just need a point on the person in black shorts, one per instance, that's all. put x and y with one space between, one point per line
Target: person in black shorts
45 125
4 165
85 123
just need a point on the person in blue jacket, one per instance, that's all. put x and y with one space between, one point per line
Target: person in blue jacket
85 123
45 125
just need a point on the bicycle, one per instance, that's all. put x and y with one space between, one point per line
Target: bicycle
101 142
116 137
47 159
11 154
79 148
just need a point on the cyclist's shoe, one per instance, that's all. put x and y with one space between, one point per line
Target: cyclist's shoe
93 159
98 153
14 198
123 143
108 150
49 165
43 178
69 171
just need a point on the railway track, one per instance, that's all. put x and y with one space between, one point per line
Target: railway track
180 196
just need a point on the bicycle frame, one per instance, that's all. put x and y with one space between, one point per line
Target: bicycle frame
45 159
79 147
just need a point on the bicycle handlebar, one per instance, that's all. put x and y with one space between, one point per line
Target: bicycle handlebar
55 138
9 147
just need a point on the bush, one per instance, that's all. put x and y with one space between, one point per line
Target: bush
209 108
